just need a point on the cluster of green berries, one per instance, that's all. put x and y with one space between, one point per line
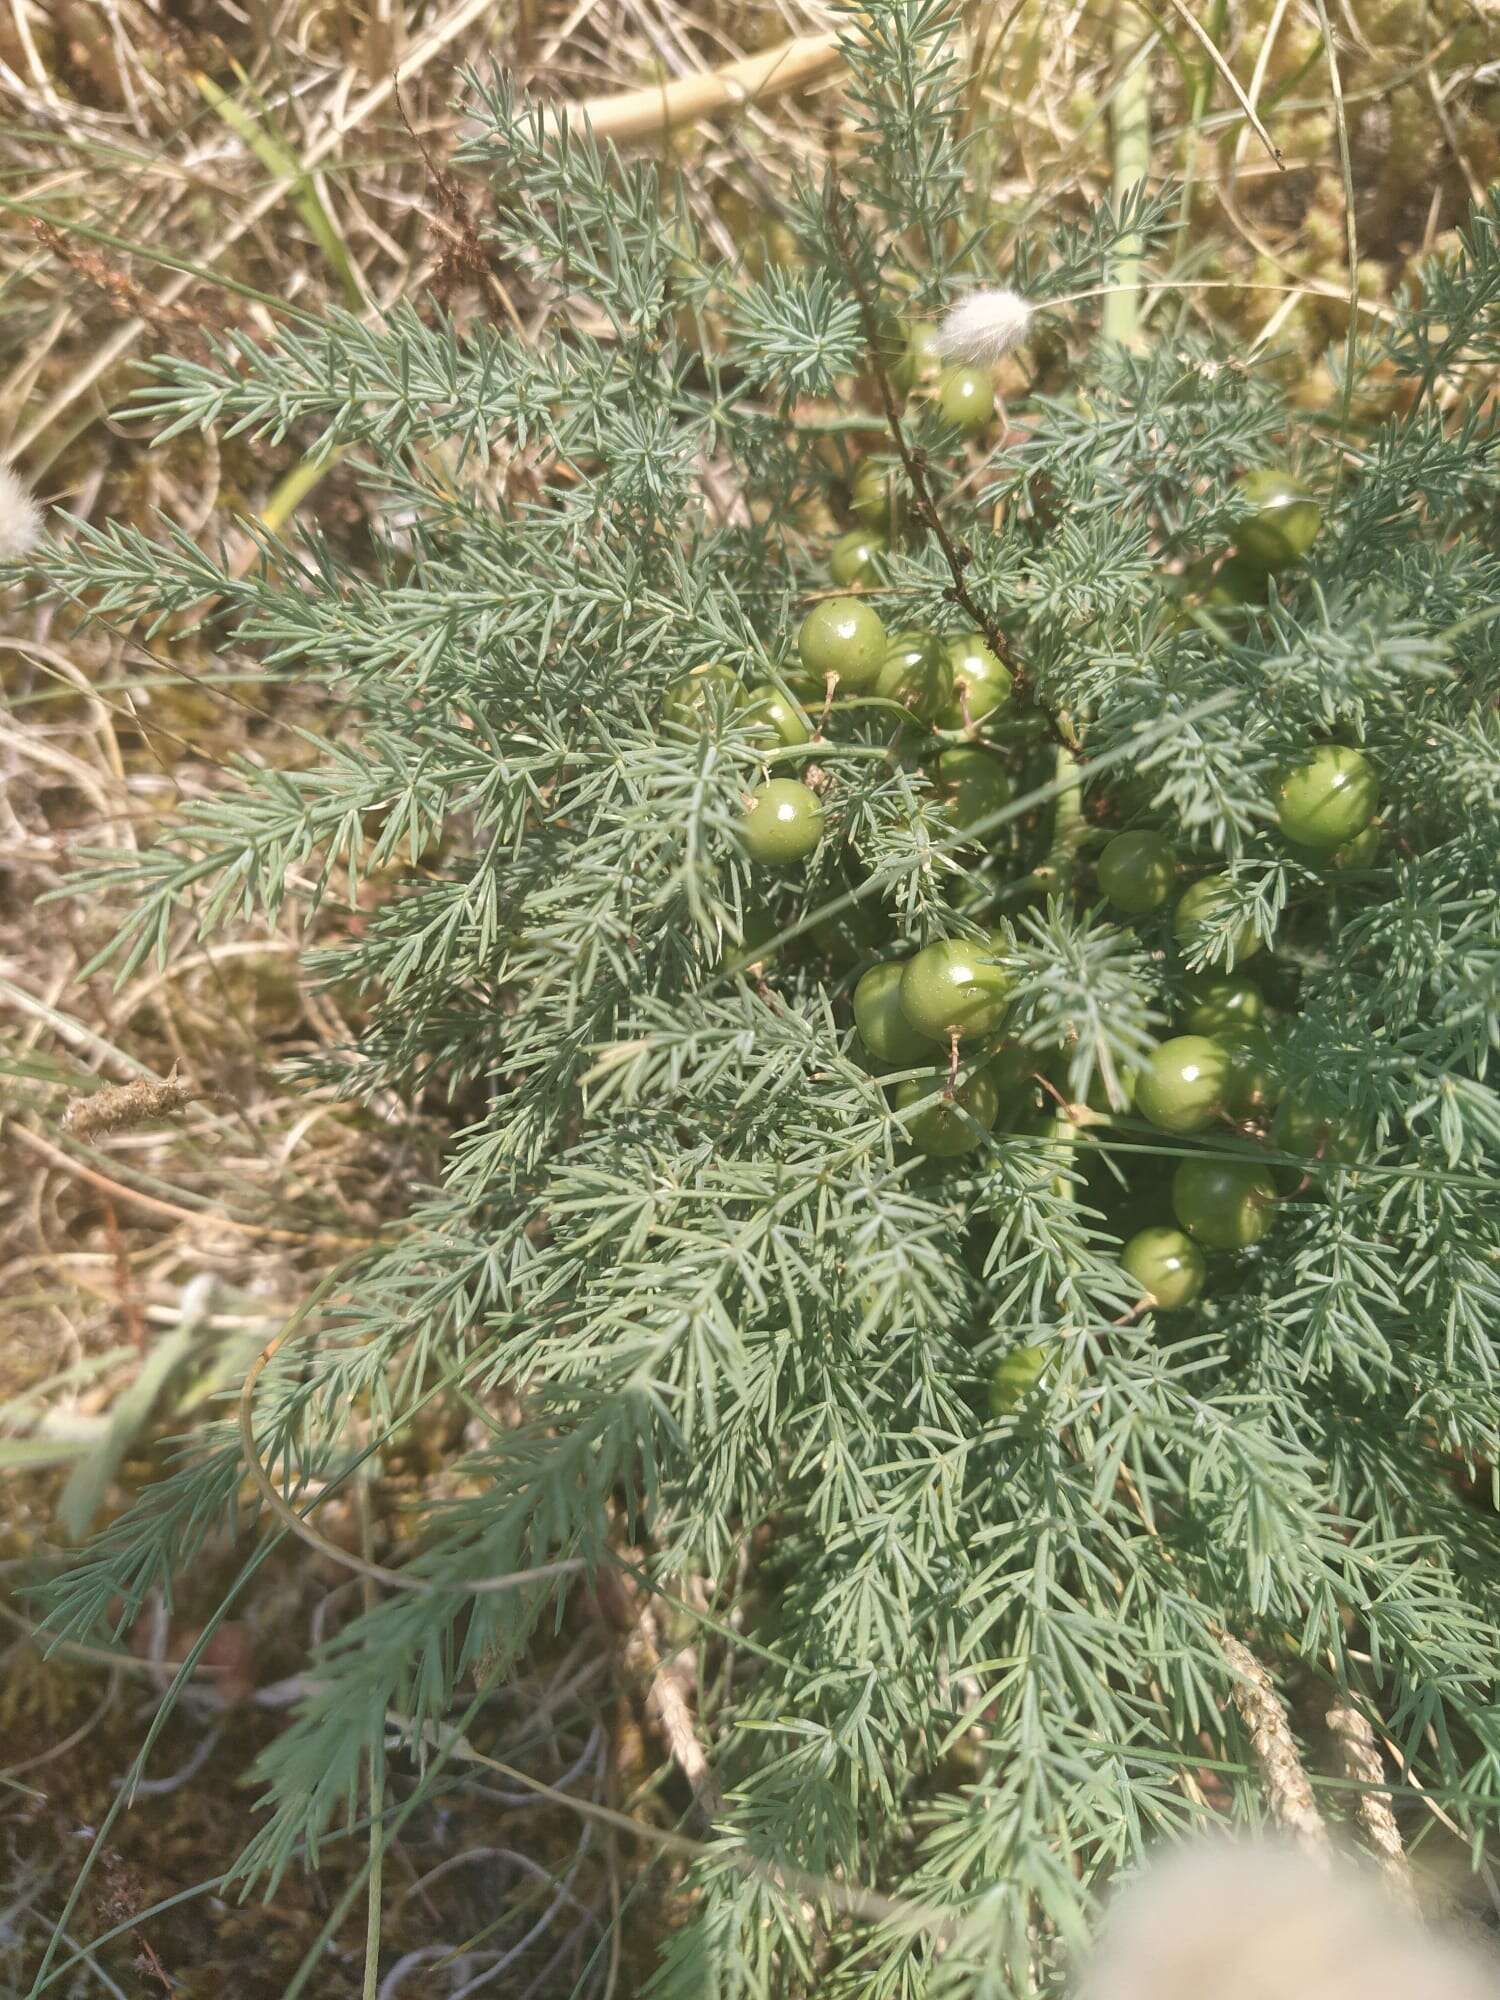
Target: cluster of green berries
933 1019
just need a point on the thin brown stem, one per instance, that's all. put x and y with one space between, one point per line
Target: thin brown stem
955 555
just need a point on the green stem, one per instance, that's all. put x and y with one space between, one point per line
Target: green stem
1130 123
1054 876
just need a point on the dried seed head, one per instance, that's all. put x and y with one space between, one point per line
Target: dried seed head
985 326
1241 1920
20 518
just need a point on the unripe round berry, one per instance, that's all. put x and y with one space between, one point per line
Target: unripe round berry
944 1127
1328 798
1226 1004
1016 1374
783 822
1183 1085
919 359
956 987
843 638
1316 1130
1137 871
1225 1205
1285 523
854 557
1167 1265
871 498
1199 906
916 673
980 681
687 702
883 1028
776 717
966 399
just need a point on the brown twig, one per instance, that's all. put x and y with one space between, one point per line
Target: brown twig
122 1105
1360 1756
668 1707
1286 1781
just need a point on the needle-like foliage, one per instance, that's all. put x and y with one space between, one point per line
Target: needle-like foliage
976 1649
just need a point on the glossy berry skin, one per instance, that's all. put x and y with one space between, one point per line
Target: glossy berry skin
955 987
1016 1375
966 399
1183 1085
871 500
775 717
688 702
980 682
845 639
1199 905
919 359
944 1127
1137 871
1224 1003
1314 1130
1224 1205
783 823
888 1036
916 673
1285 521
1167 1265
974 783
854 557
1328 798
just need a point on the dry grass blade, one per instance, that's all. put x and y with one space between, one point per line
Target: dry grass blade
657 110
1180 8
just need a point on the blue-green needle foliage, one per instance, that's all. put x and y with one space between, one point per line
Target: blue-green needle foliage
976 1654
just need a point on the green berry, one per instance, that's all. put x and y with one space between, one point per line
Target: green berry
1361 852
1199 908
783 822
854 558
1314 1129
872 495
883 1028
1223 1003
688 702
1225 1205
1329 798
956 987
1254 1084
775 717
966 399
916 673
845 639
1184 1084
1136 872
980 681
1016 1375
1284 522
1167 1265
974 784
941 1126
919 359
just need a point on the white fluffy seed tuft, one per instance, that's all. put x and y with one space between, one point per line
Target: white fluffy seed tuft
20 517
1241 1922
985 326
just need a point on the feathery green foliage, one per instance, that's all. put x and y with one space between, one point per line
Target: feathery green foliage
978 1658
